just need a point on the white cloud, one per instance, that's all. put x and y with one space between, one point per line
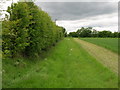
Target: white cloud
4 5
72 16
101 22
105 21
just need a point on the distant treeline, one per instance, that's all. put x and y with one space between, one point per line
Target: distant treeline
28 30
89 32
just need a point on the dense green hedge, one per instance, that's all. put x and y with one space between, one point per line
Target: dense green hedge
28 31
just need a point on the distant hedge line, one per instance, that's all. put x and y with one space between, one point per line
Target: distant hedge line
90 32
28 30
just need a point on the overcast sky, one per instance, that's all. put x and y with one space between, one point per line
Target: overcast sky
4 5
74 15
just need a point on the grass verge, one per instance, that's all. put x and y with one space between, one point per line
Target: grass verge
68 65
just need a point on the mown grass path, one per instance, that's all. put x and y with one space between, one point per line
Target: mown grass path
67 66
105 56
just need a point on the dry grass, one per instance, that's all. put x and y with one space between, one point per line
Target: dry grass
106 57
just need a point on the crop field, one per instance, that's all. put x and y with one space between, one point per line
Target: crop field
67 65
103 55
109 43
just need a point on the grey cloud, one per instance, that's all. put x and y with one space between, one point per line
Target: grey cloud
77 10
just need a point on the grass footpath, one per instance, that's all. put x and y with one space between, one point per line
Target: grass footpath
68 65
103 55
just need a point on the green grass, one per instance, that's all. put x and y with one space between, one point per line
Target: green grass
67 65
109 43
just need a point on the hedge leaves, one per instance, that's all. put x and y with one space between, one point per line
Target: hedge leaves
29 30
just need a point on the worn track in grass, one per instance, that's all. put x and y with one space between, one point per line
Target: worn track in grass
67 65
106 57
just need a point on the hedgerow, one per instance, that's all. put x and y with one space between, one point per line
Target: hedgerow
28 31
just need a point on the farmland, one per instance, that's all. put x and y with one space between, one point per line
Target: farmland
68 65
104 56
40 51
109 43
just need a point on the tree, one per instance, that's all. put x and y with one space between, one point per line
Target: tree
105 34
84 32
94 33
73 34
115 34
89 32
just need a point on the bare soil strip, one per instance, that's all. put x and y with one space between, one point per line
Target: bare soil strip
104 56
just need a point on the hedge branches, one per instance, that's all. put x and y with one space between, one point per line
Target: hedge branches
28 31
